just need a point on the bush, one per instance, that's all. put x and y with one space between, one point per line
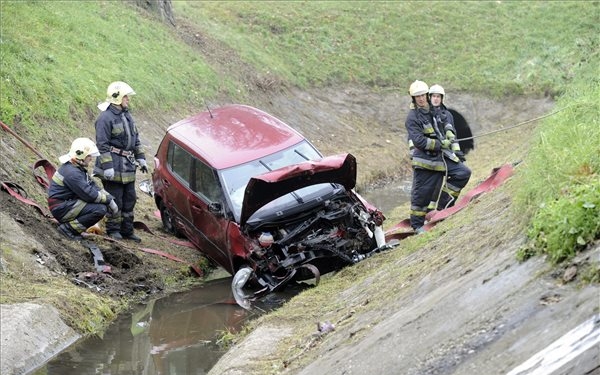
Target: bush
563 226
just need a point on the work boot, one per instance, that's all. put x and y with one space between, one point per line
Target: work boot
68 232
115 235
132 237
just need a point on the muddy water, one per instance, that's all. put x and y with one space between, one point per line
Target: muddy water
388 197
173 335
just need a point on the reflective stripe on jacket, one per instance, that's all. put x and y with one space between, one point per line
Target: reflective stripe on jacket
115 129
427 146
71 188
446 123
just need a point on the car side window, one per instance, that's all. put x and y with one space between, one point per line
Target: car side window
206 182
180 162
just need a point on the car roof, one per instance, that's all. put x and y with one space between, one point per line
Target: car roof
234 134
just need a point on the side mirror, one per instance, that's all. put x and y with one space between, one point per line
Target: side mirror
215 208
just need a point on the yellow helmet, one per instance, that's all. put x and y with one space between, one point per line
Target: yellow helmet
116 91
82 147
418 88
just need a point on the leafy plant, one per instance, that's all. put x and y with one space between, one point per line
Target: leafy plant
563 226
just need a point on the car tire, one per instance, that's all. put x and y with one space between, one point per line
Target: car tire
167 220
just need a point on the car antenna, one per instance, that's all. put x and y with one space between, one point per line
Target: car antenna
207 107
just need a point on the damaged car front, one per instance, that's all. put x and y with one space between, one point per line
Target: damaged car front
301 221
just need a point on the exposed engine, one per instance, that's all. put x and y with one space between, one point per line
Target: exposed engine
338 233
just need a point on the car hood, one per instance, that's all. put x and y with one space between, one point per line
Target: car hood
264 188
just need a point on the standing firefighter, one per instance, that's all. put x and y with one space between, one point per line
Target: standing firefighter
457 174
73 197
426 146
120 147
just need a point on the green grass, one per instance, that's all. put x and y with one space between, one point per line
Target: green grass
497 48
57 60
560 186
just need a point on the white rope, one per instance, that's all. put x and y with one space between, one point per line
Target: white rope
514 126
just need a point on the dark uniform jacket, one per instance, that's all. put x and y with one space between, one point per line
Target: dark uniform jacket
424 140
119 144
70 187
444 121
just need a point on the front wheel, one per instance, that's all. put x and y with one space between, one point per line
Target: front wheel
167 220
240 279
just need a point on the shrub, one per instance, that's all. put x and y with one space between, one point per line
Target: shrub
565 225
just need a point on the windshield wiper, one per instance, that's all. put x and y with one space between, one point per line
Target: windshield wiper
293 193
301 154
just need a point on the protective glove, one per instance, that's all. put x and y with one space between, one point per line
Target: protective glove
112 206
461 156
446 144
109 174
450 135
143 165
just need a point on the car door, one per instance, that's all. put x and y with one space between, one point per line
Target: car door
208 215
177 190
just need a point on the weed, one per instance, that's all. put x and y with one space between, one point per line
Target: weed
226 338
563 226
590 274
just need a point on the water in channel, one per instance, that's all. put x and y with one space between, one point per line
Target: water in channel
177 334
180 334
390 196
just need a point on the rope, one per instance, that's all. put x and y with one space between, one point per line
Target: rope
514 126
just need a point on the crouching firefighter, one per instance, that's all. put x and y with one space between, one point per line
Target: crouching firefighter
74 199
426 154
120 153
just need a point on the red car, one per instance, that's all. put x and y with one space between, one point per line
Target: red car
259 199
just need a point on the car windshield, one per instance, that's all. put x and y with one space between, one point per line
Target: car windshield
236 178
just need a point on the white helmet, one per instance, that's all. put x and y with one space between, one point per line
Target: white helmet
418 88
116 91
82 147
437 89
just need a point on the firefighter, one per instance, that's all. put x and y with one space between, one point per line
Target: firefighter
120 154
73 197
457 173
426 153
